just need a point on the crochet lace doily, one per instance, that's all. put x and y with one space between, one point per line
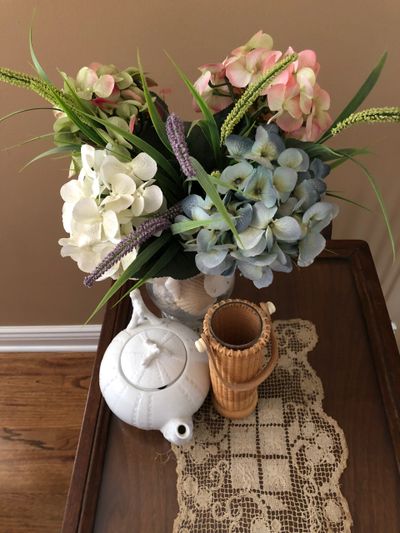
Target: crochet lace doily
275 471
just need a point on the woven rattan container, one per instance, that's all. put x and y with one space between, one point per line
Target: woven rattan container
236 334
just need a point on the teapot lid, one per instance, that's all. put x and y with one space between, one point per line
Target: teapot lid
153 358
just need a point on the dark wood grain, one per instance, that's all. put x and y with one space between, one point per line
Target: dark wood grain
87 472
133 490
42 397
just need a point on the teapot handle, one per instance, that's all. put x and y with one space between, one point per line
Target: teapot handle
140 313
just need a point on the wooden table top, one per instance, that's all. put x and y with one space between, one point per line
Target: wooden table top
122 482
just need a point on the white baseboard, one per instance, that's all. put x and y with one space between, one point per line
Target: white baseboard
49 338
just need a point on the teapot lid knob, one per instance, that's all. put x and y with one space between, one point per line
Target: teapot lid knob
152 351
152 359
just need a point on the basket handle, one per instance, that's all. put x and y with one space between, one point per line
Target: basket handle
258 378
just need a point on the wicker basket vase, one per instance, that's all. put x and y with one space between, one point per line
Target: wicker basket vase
236 333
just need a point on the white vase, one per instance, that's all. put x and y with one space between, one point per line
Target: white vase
188 300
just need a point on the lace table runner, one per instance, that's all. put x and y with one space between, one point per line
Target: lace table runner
276 471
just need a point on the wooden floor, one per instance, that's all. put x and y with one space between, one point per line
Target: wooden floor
42 398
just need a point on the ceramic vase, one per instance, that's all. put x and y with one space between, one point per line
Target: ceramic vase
188 300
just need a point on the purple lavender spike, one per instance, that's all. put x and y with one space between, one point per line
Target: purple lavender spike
134 240
176 136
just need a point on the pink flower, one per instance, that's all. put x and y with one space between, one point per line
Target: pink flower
318 120
259 40
132 94
132 122
306 58
300 105
108 103
218 98
88 82
285 101
306 69
243 70
164 92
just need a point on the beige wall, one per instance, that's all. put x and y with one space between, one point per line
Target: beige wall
37 286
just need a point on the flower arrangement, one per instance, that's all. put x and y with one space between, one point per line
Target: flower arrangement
241 188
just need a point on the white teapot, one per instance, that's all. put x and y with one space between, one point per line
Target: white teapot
152 375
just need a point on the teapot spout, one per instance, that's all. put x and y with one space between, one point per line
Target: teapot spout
178 430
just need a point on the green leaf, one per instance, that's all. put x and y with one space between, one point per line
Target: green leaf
82 104
27 141
84 107
353 151
314 149
144 147
222 183
199 122
188 225
89 131
164 260
334 195
68 148
158 124
213 133
359 98
379 197
35 60
167 188
199 145
204 180
323 152
182 267
19 111
56 97
142 258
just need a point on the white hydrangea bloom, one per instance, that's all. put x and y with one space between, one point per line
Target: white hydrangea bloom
102 205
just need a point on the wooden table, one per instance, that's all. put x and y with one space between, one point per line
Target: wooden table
120 483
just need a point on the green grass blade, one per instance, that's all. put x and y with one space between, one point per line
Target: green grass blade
158 124
353 151
199 122
84 105
188 225
222 183
75 116
54 96
352 202
142 258
381 203
168 188
19 111
143 146
68 148
213 133
27 141
359 98
38 67
323 152
204 180
169 254
314 149
337 162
